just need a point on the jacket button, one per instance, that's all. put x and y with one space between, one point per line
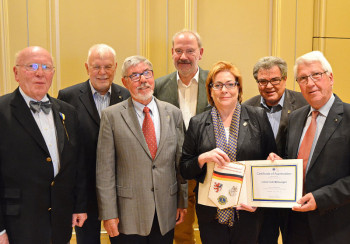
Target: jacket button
52 183
48 159
153 167
152 189
49 209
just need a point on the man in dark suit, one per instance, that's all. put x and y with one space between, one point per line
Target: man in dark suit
185 88
89 98
42 184
323 214
278 102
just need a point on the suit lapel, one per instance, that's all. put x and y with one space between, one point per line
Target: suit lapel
115 95
243 130
172 91
202 96
288 107
88 101
59 125
296 130
131 121
25 118
164 124
209 130
332 122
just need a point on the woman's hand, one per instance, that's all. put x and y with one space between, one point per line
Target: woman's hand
216 155
246 207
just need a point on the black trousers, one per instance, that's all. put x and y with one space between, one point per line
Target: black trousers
90 232
155 237
298 229
275 219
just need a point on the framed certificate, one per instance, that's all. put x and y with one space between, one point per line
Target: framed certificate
277 184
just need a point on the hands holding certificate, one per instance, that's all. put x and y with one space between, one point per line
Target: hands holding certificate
216 155
307 202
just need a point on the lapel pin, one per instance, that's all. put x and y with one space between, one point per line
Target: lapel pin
120 97
245 123
335 120
63 118
289 111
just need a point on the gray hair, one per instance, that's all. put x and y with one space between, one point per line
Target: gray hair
269 62
102 50
311 57
133 61
195 34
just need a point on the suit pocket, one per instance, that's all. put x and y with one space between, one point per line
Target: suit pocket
173 189
124 192
12 197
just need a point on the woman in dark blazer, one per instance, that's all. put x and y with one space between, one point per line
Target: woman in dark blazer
228 132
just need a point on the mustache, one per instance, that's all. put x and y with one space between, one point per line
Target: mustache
184 62
143 85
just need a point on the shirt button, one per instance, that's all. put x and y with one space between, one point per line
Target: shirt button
48 159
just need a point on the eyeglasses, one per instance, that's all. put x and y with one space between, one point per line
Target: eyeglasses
188 52
228 85
273 81
106 68
136 77
315 77
35 67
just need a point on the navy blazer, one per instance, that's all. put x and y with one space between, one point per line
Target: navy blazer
328 176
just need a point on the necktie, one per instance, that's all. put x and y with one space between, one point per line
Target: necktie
305 147
149 132
44 106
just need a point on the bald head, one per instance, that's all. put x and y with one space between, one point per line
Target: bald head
33 79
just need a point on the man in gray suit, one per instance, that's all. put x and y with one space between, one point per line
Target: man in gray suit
140 192
185 88
271 75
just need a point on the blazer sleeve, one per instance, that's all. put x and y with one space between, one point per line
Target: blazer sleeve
182 194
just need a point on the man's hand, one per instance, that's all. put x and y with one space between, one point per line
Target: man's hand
78 219
180 215
274 156
111 226
246 208
4 239
307 202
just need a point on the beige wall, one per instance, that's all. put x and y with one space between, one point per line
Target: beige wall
233 30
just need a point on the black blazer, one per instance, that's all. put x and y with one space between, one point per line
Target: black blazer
292 101
35 205
80 96
255 142
328 176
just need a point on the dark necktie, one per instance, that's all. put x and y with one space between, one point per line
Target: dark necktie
306 144
149 132
44 106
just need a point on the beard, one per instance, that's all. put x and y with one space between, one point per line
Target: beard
143 97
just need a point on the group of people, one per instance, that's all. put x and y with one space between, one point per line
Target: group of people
133 157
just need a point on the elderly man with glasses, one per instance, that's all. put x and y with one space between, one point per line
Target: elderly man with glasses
141 194
278 102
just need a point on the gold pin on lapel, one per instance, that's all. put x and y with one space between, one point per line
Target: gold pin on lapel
245 123
335 120
120 97
289 111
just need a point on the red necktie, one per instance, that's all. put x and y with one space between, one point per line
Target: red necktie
149 132
306 144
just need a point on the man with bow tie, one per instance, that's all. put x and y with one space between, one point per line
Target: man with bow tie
42 191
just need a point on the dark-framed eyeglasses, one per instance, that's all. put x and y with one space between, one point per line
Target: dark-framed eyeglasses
35 67
136 77
229 85
188 52
315 77
274 81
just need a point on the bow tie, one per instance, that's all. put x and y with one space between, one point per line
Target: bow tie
44 106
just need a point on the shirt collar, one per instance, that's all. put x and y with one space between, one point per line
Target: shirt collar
139 106
280 102
94 91
27 98
194 78
325 109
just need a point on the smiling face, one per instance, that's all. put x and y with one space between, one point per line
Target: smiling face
271 93
34 84
101 70
316 93
224 99
186 54
142 90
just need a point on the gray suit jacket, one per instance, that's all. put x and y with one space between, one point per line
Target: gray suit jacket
130 185
292 101
328 176
166 90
